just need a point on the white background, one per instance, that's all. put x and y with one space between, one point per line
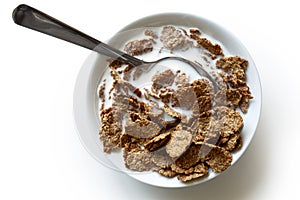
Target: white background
41 156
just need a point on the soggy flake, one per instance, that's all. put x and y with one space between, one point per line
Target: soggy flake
221 98
138 160
213 134
161 159
141 128
151 33
138 47
137 72
178 143
161 79
172 38
127 72
181 80
186 97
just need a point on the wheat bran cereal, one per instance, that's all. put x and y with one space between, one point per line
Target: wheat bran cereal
176 127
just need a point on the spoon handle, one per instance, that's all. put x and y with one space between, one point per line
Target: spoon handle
32 18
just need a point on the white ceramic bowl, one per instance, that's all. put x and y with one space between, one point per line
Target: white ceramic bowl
85 103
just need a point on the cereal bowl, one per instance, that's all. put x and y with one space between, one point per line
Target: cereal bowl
86 103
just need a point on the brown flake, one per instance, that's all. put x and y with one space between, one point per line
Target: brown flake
115 64
244 104
233 143
230 121
205 43
189 158
186 97
180 170
200 124
167 95
229 63
203 87
199 171
138 92
141 127
172 112
138 47
228 97
130 143
213 134
150 33
137 72
167 172
138 160
102 94
161 159
195 31
158 141
127 72
181 80
152 94
203 104
233 97
201 168
178 143
165 78
235 67
219 159
110 130
172 38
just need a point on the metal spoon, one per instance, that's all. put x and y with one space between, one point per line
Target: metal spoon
32 18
